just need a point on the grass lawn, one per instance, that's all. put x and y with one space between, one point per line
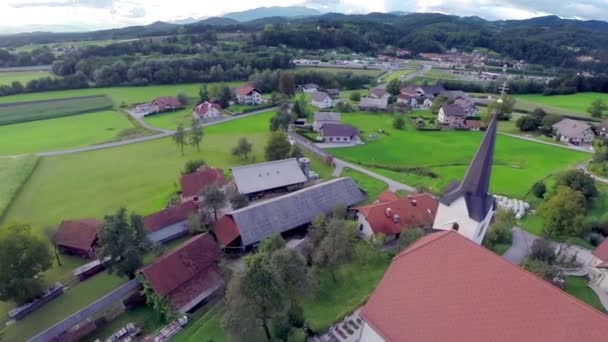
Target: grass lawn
170 120
577 287
7 77
398 74
14 171
11 113
510 128
62 133
368 72
517 165
561 104
143 316
372 186
206 328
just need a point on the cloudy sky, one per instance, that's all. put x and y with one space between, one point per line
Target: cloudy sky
96 14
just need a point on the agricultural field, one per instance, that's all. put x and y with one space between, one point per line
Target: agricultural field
434 159
398 74
63 133
560 104
329 70
7 77
14 171
11 113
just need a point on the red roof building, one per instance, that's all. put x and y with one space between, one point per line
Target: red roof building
194 183
169 223
165 103
187 275
207 110
78 237
474 125
393 214
447 288
601 252
248 94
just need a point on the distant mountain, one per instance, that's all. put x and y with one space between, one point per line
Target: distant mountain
186 21
399 13
217 21
275 11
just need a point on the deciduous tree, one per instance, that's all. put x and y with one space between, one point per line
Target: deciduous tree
287 83
394 86
564 213
578 180
597 108
179 137
278 146
214 198
242 149
192 165
196 134
334 249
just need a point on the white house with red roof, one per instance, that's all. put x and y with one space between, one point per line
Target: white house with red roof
444 287
248 95
207 111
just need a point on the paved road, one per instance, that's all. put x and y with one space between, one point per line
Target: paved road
522 242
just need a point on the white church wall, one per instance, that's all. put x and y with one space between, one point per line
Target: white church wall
458 213
368 334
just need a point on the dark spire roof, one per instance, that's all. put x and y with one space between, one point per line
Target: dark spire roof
476 183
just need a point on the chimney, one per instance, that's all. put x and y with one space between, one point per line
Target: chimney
414 202
388 212
305 166
396 218
455 226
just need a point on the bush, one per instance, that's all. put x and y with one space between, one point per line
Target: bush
409 236
527 123
540 268
398 122
543 250
539 189
355 96
192 165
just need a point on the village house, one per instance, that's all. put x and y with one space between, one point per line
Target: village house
322 100
379 93
446 288
169 223
207 111
473 125
334 93
78 237
248 226
368 103
167 103
599 266
391 214
321 118
193 184
573 132
452 115
278 176
248 95
309 88
408 100
187 276
339 133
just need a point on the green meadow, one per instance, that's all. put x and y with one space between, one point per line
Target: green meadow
14 171
7 77
561 104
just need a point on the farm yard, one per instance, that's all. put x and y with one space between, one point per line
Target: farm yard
560 104
11 113
434 159
7 77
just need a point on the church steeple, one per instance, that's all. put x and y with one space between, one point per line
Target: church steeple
476 183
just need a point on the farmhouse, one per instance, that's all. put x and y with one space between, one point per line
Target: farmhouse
379 93
573 132
187 276
339 133
248 95
309 88
169 223
78 237
408 100
392 214
468 207
334 93
167 103
277 176
373 104
321 118
193 184
473 125
467 105
248 226
446 288
452 115
207 111
322 100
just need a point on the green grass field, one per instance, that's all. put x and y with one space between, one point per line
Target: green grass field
577 287
371 186
398 74
62 133
14 171
441 74
561 104
517 165
8 77
368 72
206 328
11 113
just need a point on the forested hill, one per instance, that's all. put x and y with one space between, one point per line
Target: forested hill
550 40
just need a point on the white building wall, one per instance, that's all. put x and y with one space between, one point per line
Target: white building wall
458 212
363 227
368 334
441 116
327 103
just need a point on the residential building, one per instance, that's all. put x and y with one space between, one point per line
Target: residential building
322 100
207 111
468 207
467 105
473 125
167 103
309 88
452 115
408 100
379 93
78 237
573 132
169 223
248 226
339 133
368 103
258 180
193 184
321 118
187 276
599 267
446 288
334 93
248 95
392 214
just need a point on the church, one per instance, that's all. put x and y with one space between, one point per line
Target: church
468 207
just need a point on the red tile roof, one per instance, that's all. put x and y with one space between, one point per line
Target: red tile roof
78 234
192 184
417 210
186 272
387 196
203 108
473 124
226 230
169 216
166 102
601 252
447 288
245 89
